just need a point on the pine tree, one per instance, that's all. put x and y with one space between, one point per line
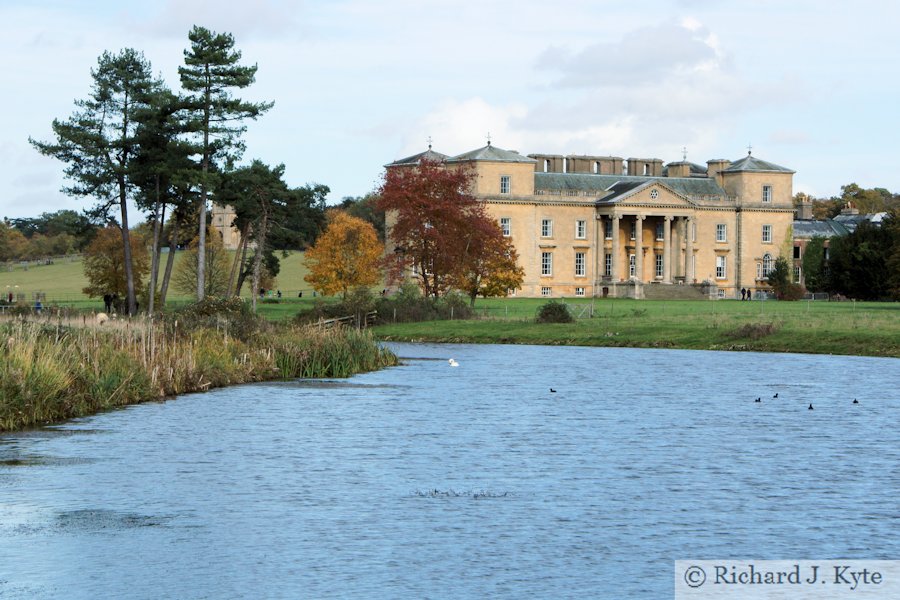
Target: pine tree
211 71
99 143
164 173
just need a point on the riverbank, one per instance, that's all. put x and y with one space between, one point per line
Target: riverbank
864 329
51 372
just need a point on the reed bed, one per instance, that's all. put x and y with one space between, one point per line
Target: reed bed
51 371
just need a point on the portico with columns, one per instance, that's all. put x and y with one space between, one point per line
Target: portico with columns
659 251
648 238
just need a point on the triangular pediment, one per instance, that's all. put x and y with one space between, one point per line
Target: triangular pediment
648 193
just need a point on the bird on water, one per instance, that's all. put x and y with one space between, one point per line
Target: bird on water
552 390
758 400
776 395
453 363
855 401
810 406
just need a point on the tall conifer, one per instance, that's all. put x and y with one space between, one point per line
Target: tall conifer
98 142
211 71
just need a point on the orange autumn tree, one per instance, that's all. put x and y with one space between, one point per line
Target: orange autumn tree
104 263
489 265
346 255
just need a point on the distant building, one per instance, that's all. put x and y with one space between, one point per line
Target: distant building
606 226
806 228
851 219
222 219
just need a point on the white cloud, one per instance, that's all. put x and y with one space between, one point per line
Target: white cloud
373 80
657 89
459 126
642 56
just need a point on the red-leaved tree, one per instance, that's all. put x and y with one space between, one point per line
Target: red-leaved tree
429 211
444 235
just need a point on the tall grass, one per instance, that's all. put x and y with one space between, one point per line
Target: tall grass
52 372
339 352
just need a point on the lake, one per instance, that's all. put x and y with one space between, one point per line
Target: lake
432 481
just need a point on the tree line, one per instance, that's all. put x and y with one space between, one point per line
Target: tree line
865 200
48 235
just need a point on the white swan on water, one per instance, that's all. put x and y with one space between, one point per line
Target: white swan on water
453 363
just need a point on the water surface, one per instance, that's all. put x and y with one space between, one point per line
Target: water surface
429 481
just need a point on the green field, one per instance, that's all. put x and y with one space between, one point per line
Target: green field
63 281
808 327
816 327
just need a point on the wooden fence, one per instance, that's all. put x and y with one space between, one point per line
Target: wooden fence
360 321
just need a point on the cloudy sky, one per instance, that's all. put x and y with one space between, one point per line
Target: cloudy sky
810 84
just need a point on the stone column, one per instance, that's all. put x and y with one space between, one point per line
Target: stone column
689 250
667 249
639 247
615 247
598 252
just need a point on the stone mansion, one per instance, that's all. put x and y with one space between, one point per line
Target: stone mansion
605 226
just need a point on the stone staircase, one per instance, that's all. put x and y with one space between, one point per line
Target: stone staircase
659 291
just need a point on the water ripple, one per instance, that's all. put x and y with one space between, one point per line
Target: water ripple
428 480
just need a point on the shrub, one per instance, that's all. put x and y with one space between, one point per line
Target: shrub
232 314
793 291
360 300
754 331
20 310
408 306
554 312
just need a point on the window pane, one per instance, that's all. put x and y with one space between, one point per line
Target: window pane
546 228
579 264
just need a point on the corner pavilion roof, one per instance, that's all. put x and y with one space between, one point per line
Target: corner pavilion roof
429 155
492 153
751 163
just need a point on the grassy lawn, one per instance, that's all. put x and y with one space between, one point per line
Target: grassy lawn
815 327
63 281
810 327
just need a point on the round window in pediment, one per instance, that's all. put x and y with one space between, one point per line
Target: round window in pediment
654 194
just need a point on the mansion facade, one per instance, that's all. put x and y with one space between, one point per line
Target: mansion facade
605 226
